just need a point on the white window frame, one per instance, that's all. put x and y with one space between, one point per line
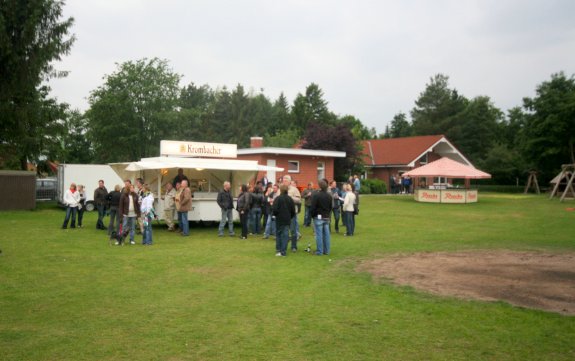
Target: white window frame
320 168
296 162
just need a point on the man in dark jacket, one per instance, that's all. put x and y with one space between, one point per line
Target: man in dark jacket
100 195
226 203
321 206
283 210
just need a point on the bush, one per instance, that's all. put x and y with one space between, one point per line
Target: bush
375 186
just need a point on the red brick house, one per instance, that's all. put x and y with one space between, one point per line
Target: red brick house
303 165
386 157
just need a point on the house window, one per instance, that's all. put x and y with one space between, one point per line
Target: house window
293 166
320 170
423 159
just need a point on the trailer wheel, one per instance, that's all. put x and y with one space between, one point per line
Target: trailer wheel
90 206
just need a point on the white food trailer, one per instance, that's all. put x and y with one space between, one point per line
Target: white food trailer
206 175
87 175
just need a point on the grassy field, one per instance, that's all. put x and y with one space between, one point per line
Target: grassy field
68 295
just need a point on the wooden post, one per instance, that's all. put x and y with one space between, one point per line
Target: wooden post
532 181
569 186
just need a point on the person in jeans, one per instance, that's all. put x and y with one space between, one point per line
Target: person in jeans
72 201
243 208
320 210
270 195
295 195
348 210
114 200
226 202
306 195
129 210
185 206
336 209
148 215
100 201
283 209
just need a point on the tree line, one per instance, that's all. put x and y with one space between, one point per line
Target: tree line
539 135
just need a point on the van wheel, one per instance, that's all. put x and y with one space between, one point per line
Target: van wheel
90 206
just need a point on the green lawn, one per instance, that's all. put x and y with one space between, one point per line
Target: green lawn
68 295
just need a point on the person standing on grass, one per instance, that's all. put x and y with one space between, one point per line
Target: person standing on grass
169 206
177 204
139 189
100 201
72 201
295 195
336 209
348 210
270 227
265 204
82 205
226 202
129 210
114 200
306 195
356 183
256 209
148 215
320 210
243 208
185 206
283 209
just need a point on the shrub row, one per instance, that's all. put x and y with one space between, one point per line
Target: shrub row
373 186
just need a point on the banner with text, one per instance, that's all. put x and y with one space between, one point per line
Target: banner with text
196 149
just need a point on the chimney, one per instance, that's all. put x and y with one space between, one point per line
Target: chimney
256 142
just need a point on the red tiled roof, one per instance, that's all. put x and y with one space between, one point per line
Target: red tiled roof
396 151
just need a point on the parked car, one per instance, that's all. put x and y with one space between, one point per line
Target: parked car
46 189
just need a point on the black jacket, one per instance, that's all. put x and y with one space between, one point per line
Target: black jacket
283 209
321 203
114 198
244 202
225 200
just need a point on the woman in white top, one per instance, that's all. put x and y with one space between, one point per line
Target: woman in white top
71 201
148 215
348 210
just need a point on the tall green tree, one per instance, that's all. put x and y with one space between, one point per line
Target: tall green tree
311 107
133 110
480 129
359 131
400 127
194 119
33 35
549 132
438 109
280 115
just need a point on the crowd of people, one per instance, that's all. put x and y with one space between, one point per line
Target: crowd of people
264 208
272 209
127 207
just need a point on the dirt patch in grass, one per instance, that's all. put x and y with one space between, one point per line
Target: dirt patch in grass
536 280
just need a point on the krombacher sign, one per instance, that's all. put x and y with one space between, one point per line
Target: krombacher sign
196 149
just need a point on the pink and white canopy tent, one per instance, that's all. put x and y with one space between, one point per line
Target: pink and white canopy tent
447 168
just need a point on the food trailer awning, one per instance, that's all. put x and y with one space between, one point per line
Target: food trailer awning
196 163
447 168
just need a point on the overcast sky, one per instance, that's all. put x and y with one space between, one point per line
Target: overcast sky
372 59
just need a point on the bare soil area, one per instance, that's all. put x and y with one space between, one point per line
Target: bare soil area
538 280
